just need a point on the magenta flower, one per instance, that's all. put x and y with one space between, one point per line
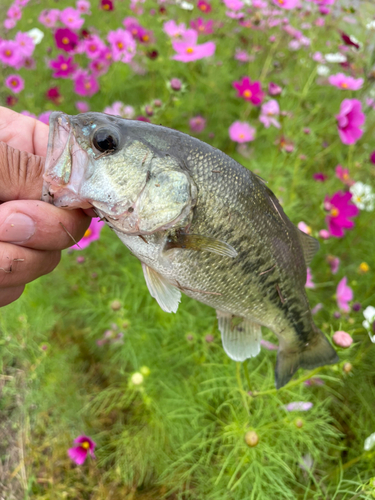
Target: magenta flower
269 112
10 53
106 5
274 89
343 175
25 44
92 234
344 294
122 44
53 95
15 83
197 124
64 67
334 263
82 106
320 177
49 18
204 6
201 26
241 132
71 18
93 46
251 92
85 84
309 282
342 81
79 453
188 50
349 120
234 5
299 406
44 117
287 4
342 339
14 12
372 157
66 39
340 209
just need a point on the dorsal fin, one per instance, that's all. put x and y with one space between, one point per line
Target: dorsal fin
309 246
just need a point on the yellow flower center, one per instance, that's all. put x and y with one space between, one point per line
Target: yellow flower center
334 212
345 177
344 85
70 19
241 136
145 38
65 40
106 6
14 83
64 66
201 28
92 47
247 93
189 50
281 2
120 45
88 231
85 445
87 85
203 7
8 52
364 267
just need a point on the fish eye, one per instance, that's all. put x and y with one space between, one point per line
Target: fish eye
105 140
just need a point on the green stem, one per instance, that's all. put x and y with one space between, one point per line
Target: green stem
239 382
290 384
247 374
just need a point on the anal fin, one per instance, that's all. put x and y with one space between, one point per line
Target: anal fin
167 296
240 336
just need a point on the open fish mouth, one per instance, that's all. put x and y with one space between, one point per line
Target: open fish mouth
62 182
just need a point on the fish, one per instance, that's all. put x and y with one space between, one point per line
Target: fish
200 223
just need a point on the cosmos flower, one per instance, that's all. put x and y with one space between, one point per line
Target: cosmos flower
25 44
274 89
363 197
309 282
174 30
342 339
251 92
91 234
9 53
320 177
342 81
241 132
83 6
123 45
66 39
189 50
14 12
36 35
79 453
93 46
299 406
15 83
287 4
268 345
70 17
344 294
53 95
343 175
106 5
64 67
85 84
340 210
334 263
372 157
269 112
197 124
119 109
49 17
302 226
82 106
349 120
204 6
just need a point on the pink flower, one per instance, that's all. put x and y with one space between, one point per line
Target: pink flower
92 234
188 50
10 53
342 339
323 233
71 18
174 30
120 109
15 83
344 294
340 209
334 263
274 89
269 345
316 309
299 406
201 26
106 5
93 46
242 55
309 282
251 92
342 81
197 124
287 4
25 44
343 175
314 381
49 18
9 24
302 226
44 117
83 6
85 84
79 453
349 120
14 12
64 67
269 111
241 132
66 39
320 177
204 6
122 44
82 106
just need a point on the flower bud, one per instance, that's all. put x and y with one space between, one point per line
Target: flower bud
251 438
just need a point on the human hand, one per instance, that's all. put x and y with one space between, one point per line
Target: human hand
32 233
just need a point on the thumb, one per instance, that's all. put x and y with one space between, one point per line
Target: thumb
21 174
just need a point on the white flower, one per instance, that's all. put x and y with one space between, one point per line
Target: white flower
369 314
185 5
339 58
363 197
36 34
371 25
370 442
137 378
322 70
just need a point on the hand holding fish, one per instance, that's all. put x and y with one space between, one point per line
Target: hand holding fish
32 233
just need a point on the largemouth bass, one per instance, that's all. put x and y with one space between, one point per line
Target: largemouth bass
200 223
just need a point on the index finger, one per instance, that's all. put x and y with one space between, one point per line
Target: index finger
22 132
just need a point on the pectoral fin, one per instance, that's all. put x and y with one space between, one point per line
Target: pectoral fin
241 339
167 296
200 243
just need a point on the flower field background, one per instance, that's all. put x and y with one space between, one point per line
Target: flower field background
105 396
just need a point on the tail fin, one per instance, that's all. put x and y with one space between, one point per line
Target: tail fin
318 352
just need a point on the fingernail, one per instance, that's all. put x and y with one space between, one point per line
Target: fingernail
17 228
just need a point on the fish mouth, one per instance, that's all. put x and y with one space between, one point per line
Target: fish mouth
62 182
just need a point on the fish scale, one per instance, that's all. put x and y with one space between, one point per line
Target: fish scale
200 223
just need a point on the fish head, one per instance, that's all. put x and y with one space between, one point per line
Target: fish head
105 162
